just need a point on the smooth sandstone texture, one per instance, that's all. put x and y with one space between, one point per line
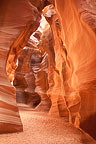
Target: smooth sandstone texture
42 84
80 42
14 16
70 42
60 92
87 12
56 89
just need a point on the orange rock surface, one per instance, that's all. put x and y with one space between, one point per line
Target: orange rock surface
62 72
56 89
14 16
80 42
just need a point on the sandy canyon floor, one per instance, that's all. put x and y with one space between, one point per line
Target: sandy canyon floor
40 128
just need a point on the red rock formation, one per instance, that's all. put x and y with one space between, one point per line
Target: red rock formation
87 11
39 64
42 85
24 69
31 76
70 43
46 45
14 16
80 42
56 90
39 4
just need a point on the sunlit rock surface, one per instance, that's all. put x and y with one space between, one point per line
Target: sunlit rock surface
15 17
87 12
61 75
56 89
80 42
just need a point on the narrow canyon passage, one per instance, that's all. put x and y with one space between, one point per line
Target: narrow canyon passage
48 71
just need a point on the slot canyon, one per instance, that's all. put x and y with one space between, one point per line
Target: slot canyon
47 71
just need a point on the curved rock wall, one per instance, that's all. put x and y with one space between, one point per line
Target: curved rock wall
14 16
80 42
56 90
22 74
70 42
31 76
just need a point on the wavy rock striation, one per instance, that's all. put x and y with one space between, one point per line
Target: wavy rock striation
62 72
14 16
80 42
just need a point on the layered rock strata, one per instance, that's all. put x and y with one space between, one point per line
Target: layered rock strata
70 44
24 79
31 76
56 89
14 16
80 42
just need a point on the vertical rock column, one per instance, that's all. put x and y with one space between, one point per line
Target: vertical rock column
46 45
42 84
56 92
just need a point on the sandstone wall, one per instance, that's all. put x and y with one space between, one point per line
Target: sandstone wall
69 39
80 42
14 16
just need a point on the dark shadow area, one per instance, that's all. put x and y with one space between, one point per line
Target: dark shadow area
36 59
89 125
32 99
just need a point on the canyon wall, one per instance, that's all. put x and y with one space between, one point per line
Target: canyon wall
31 76
71 70
17 19
56 89
79 38
61 73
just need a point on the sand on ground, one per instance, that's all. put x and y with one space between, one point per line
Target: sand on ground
40 128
